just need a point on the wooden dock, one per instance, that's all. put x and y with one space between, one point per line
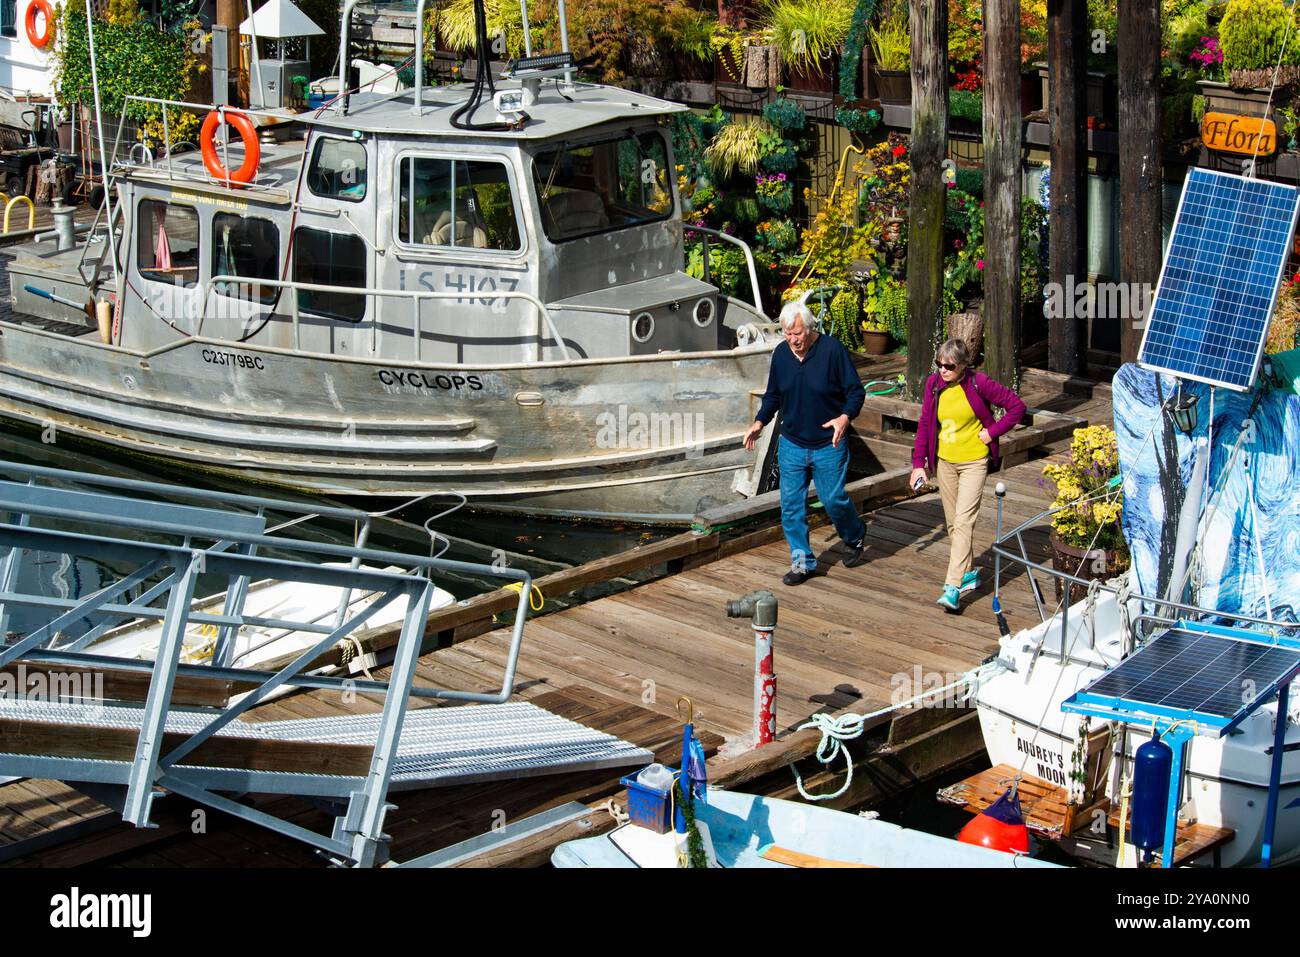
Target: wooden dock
855 639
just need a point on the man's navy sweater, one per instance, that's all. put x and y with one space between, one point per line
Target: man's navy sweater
822 387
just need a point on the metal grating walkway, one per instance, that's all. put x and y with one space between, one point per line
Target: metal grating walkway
438 746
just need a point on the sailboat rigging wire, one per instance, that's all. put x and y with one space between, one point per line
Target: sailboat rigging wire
99 125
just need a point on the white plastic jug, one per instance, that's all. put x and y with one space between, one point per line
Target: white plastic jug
655 776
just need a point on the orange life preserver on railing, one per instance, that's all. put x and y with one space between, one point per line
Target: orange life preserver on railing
252 148
42 39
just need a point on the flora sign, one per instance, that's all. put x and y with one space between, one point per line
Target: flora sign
1244 135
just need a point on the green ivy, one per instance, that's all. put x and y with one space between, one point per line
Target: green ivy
851 59
133 59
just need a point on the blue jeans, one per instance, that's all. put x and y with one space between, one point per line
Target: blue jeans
827 467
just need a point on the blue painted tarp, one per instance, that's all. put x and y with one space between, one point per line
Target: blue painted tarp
1156 460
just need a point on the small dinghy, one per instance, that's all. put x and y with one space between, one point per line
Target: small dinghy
747 830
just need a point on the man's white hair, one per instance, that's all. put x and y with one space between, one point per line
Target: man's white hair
798 310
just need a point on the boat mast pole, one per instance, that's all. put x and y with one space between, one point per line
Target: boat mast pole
257 62
103 152
564 44
528 35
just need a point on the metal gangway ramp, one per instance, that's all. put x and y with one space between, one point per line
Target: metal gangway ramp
132 729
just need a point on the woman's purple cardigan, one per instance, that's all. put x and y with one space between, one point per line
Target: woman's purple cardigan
982 393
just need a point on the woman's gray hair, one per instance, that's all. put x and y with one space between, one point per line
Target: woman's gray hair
798 310
954 350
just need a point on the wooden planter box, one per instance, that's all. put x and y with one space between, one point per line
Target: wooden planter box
810 81
1103 96
893 86
1222 98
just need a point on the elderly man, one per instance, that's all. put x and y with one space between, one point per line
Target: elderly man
813 382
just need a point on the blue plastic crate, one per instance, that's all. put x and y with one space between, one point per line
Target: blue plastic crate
649 807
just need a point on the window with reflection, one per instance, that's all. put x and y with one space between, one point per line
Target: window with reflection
330 259
167 242
599 187
245 246
465 203
338 169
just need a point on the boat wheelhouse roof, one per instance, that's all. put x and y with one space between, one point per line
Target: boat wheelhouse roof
556 112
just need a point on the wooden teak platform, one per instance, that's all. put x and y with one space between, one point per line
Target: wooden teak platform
1046 812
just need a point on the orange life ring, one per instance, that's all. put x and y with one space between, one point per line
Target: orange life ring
207 139
42 39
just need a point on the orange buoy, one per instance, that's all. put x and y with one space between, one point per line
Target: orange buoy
252 149
1000 826
39 40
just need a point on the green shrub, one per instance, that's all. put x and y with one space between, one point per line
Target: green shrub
1251 35
843 319
966 105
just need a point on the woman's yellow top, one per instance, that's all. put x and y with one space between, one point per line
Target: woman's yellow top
959 429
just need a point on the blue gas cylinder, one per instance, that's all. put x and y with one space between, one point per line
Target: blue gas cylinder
1151 767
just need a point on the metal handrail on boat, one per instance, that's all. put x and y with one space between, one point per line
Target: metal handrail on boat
749 260
545 323
1002 550
172 174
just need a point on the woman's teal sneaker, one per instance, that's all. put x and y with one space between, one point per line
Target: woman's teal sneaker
950 599
970 581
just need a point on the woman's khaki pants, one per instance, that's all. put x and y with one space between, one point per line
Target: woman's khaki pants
961 486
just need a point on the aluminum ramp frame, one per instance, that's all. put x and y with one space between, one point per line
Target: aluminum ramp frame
149 754
438 747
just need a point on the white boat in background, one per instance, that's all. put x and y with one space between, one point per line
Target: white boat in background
261 646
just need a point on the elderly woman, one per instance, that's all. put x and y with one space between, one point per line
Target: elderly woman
957 439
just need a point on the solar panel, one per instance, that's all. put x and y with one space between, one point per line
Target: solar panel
1204 677
1222 270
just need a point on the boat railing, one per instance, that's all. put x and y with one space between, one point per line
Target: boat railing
545 322
162 159
706 232
1010 547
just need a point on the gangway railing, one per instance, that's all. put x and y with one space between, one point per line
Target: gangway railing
158 537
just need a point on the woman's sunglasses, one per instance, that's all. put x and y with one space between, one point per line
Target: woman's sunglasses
947 365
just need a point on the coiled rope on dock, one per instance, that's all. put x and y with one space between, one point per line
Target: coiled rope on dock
835 731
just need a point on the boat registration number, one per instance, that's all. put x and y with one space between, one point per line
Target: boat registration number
220 357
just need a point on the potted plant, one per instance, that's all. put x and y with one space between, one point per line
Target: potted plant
1087 540
774 192
809 34
891 49
875 336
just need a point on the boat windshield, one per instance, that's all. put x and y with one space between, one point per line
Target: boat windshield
601 187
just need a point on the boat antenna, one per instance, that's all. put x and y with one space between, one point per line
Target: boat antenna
483 73
99 125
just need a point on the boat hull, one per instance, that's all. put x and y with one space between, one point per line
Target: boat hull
741 825
648 438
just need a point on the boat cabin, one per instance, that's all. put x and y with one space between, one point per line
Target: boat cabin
453 239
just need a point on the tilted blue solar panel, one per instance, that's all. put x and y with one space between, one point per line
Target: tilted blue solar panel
1181 673
1221 275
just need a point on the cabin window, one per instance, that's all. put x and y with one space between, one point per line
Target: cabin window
168 243
599 187
245 246
338 169
456 203
8 18
330 259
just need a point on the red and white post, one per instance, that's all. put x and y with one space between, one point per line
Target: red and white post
760 607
